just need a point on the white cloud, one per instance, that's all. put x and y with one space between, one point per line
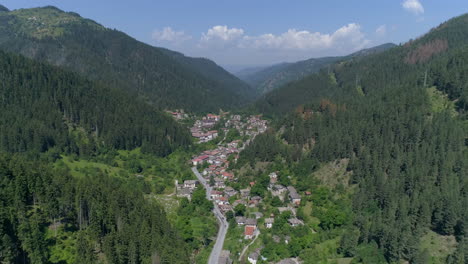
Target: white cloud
413 6
221 36
346 38
169 35
381 30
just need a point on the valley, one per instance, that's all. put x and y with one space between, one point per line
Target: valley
139 148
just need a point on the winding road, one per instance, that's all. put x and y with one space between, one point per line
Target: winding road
223 224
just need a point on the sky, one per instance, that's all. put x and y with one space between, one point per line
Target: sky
248 33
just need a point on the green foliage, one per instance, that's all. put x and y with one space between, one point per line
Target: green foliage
95 210
407 162
44 107
167 79
270 78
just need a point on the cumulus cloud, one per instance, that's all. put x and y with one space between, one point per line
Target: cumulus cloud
381 30
221 37
413 6
347 37
234 45
170 35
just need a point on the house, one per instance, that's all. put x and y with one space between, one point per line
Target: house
240 220
219 183
245 193
294 196
215 194
273 177
229 191
253 257
250 228
295 222
269 222
251 222
191 184
225 208
199 160
278 190
258 215
228 175
255 200
307 193
249 232
222 200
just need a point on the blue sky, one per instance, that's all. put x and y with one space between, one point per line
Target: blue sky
259 32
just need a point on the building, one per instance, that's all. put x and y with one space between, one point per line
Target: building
294 196
250 228
295 222
245 193
273 177
229 191
219 183
190 184
255 200
278 190
240 220
269 222
249 232
215 194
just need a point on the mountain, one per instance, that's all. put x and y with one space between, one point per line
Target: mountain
269 78
164 78
212 71
45 107
382 141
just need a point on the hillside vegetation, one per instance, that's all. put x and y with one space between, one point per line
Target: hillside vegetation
267 79
406 143
164 78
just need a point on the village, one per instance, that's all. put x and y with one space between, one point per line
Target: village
244 209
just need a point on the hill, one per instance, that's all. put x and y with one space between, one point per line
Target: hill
267 79
399 118
44 107
166 79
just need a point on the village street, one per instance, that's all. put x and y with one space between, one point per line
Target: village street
223 224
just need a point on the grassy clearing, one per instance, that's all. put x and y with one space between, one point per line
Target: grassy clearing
440 101
438 246
334 173
81 167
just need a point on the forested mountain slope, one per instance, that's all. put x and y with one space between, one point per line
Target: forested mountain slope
48 216
167 79
406 146
273 77
44 107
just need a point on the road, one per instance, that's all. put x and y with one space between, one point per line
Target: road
223 224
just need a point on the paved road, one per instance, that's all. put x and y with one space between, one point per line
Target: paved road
223 224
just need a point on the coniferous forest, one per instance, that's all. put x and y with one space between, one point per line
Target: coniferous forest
91 165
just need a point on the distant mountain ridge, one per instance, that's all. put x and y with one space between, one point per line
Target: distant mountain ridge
164 78
266 79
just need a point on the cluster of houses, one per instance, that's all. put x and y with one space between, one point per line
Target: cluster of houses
252 127
215 170
178 114
202 128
